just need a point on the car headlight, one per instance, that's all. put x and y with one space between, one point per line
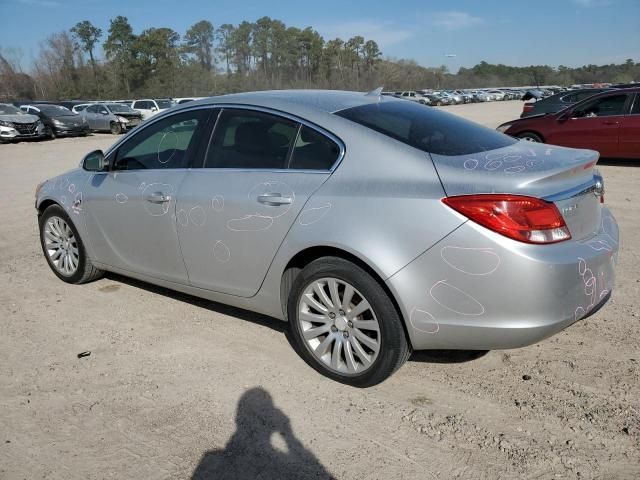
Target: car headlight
57 122
123 120
504 127
4 123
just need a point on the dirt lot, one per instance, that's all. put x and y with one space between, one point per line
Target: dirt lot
175 385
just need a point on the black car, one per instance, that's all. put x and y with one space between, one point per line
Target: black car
557 102
58 120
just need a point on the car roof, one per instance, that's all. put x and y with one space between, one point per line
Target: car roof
297 102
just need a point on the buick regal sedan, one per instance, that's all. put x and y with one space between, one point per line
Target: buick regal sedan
372 225
608 122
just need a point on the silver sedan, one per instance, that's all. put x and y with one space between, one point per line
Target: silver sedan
373 226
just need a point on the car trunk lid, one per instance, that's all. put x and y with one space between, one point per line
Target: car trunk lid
564 176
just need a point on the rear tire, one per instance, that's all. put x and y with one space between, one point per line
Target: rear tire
359 344
59 238
530 137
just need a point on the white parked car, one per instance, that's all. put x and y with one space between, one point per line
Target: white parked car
148 107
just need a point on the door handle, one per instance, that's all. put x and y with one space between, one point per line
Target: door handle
274 199
610 122
158 197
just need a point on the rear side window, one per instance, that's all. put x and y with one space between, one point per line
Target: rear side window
636 105
251 140
428 129
313 151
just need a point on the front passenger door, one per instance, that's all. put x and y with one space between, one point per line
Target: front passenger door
131 208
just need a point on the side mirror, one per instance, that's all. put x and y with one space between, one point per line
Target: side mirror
104 112
95 162
154 109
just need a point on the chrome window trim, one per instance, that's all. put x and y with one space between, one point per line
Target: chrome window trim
222 106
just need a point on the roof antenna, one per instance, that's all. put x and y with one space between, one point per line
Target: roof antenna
374 93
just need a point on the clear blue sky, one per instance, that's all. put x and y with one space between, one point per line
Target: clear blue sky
516 32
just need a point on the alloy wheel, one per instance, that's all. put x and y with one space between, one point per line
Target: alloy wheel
339 326
61 246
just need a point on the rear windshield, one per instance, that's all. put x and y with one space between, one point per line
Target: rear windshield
427 128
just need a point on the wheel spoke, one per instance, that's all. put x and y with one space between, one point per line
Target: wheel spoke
346 297
324 346
336 359
315 304
333 289
362 355
368 341
359 309
351 362
366 325
322 295
312 317
316 331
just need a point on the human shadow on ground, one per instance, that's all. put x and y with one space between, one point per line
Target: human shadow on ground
262 447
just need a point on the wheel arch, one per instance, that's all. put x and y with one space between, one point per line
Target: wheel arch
534 132
310 254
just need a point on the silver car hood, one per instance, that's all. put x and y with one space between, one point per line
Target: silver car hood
525 168
26 118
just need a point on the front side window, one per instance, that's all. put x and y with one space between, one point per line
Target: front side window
602 107
92 109
168 143
251 140
428 129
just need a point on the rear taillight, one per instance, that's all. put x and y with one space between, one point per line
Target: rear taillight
527 106
526 219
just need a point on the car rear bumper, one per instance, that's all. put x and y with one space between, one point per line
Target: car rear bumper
477 290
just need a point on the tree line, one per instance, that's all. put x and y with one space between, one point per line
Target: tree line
265 54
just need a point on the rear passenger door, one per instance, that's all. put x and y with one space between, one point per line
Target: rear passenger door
233 214
90 114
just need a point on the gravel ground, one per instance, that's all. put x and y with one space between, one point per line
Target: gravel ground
176 387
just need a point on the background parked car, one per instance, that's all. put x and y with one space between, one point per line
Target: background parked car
414 97
149 107
17 125
58 120
111 117
608 122
557 102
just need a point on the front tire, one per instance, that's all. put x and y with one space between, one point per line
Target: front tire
116 128
530 137
344 325
63 248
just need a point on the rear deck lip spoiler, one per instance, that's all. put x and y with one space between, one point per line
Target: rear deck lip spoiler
595 186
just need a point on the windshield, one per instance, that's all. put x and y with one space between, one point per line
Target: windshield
6 109
164 103
120 108
54 110
427 129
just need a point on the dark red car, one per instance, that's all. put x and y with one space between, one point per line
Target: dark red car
608 123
